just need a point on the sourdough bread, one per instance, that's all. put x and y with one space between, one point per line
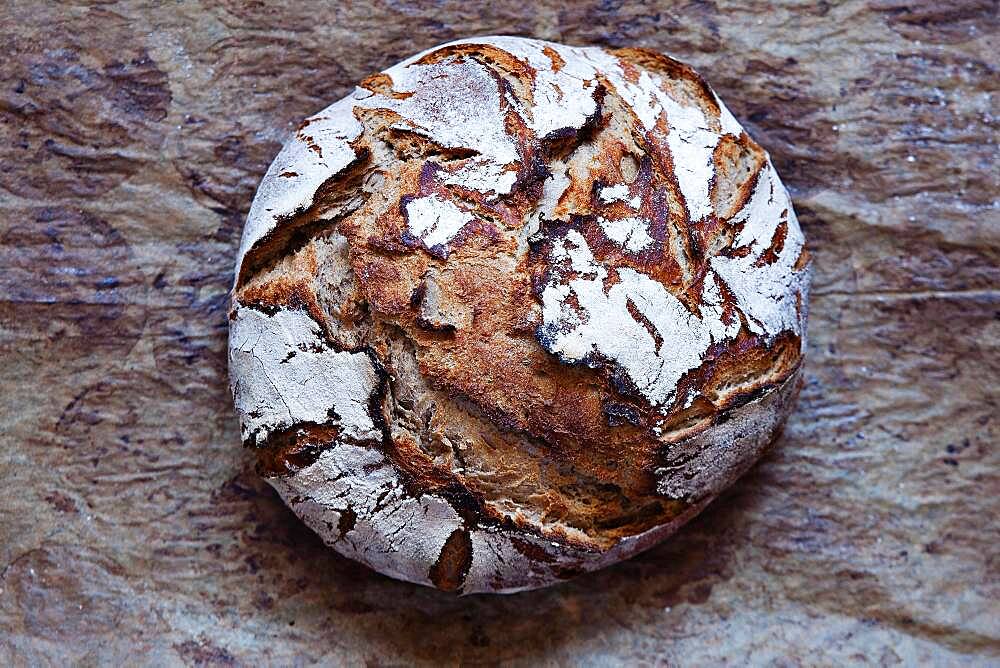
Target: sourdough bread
513 310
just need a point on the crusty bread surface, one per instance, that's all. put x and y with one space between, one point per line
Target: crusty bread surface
513 311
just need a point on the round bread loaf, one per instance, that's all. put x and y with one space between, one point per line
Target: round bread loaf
513 311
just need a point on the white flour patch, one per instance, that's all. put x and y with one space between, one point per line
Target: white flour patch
619 193
690 140
632 233
457 104
552 190
483 175
283 373
766 294
614 193
494 558
691 144
435 221
394 533
692 394
560 99
602 326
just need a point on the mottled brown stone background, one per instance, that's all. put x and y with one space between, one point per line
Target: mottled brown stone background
132 528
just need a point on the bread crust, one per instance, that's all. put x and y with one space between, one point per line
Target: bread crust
513 311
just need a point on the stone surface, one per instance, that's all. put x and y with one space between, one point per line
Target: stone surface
132 527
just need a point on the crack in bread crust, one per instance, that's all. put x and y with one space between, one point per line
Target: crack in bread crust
501 297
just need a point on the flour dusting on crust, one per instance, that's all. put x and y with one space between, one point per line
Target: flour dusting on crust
632 233
319 150
619 193
766 291
584 322
518 367
435 221
283 374
393 532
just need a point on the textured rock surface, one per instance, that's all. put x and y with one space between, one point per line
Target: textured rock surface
132 528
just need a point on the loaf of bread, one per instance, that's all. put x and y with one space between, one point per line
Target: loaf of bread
513 311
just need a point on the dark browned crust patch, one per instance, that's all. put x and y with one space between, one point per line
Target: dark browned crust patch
449 571
294 449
